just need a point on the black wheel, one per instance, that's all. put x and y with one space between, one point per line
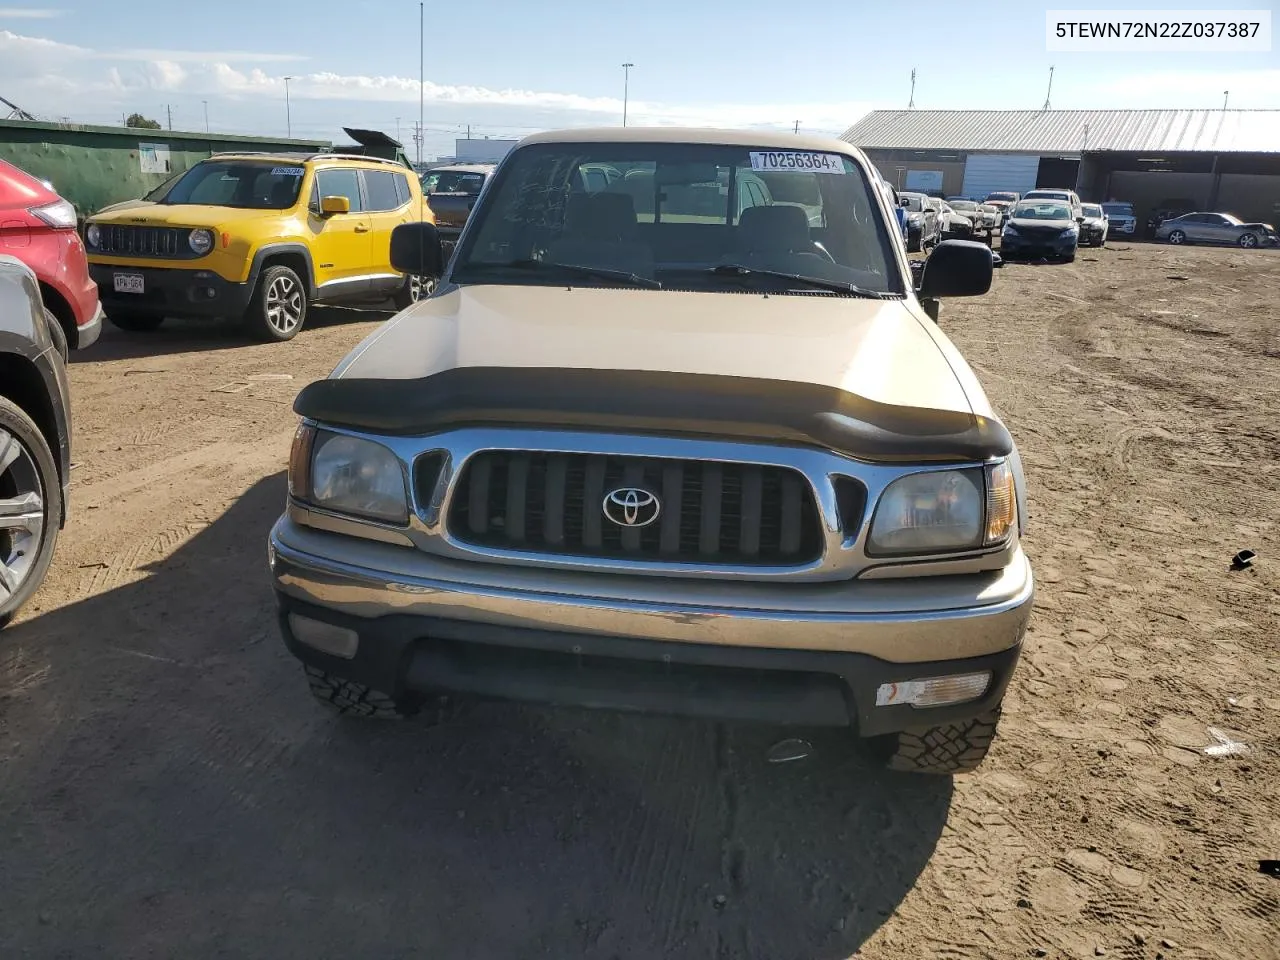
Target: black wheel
1177 237
913 244
56 334
353 699
1248 241
279 306
134 322
414 289
30 508
946 749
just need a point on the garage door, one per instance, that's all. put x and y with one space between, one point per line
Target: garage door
986 173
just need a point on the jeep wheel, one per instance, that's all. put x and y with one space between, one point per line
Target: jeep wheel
30 508
134 322
350 698
1248 241
950 748
414 289
279 306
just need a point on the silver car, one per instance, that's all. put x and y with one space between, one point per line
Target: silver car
1221 228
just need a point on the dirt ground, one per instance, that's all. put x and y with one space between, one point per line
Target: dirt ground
169 789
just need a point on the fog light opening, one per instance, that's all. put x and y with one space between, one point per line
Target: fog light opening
325 637
934 691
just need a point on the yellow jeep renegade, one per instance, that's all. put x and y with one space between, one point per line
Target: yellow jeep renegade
258 237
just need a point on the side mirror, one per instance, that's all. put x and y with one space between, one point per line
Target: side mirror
416 250
904 202
331 205
956 268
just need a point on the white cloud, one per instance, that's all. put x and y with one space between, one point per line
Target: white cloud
51 77
29 13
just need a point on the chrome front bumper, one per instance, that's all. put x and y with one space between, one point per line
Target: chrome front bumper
916 620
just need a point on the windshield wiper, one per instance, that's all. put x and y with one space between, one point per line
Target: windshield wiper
600 273
840 286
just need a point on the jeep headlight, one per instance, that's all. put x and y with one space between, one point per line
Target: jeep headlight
347 475
92 235
201 241
945 511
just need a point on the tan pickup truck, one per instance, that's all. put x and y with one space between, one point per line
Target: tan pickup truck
684 443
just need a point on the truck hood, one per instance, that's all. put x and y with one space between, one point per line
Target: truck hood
886 351
181 215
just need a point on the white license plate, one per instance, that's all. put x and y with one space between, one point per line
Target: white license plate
127 282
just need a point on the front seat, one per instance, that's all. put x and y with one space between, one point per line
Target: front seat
778 229
600 231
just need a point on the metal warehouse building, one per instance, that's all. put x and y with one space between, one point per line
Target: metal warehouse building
1225 160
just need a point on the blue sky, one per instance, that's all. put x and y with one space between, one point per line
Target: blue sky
510 67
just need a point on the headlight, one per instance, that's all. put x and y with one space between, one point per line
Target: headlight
92 235
347 475
945 511
913 218
201 241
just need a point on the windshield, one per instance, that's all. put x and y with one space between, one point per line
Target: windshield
1041 211
452 181
675 214
1091 210
914 202
1118 209
1046 195
250 184
963 205
1007 197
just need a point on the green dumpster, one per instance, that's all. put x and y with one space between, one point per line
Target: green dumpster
96 166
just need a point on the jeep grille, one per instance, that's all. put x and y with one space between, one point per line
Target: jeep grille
130 241
711 512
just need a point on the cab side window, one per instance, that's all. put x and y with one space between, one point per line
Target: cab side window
380 188
338 183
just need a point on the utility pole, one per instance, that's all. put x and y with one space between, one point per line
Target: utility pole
911 103
398 130
206 116
468 131
1225 95
169 111
626 89
422 74
1050 90
288 109
797 127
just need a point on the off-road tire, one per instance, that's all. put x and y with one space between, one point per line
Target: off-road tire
57 334
405 298
947 749
15 422
259 314
353 699
134 322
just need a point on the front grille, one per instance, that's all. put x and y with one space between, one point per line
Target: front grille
716 513
129 241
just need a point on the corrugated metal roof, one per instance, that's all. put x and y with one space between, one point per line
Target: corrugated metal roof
1069 131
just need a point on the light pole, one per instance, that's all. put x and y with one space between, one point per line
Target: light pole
626 89
288 110
206 115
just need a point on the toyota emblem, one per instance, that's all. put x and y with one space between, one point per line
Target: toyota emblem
631 507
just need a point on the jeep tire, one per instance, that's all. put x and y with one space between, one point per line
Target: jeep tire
946 749
279 305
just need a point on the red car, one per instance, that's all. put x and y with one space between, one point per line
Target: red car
38 227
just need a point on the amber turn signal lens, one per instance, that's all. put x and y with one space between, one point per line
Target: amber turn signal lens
1002 502
300 461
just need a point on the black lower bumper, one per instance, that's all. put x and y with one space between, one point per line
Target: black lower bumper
410 655
1036 251
172 292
